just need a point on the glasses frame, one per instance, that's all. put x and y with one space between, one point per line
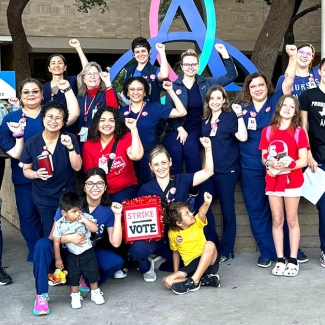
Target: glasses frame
91 186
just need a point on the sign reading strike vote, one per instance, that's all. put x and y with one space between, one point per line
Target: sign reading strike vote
7 84
142 219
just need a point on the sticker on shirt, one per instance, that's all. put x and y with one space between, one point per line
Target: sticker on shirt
178 91
118 165
144 113
244 111
152 76
179 239
268 109
83 134
172 190
102 163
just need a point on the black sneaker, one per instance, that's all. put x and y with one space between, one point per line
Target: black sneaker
302 257
211 280
4 277
186 286
264 262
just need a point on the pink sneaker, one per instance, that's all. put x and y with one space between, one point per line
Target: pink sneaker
83 287
41 305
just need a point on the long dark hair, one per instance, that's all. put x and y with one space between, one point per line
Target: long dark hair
207 111
120 127
105 199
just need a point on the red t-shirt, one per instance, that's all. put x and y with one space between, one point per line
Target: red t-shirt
283 144
122 172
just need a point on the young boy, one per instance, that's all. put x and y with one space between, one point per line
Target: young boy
187 240
81 260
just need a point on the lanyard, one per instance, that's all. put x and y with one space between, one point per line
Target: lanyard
139 114
87 109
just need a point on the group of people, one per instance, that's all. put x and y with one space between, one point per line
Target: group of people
264 139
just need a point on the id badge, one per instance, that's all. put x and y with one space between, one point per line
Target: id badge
251 124
213 132
22 122
83 134
102 163
94 112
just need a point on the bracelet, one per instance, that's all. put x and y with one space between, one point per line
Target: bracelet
266 164
66 89
239 116
18 135
71 149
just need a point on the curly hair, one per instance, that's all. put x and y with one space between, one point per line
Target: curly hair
172 214
105 200
276 119
80 78
128 82
245 95
120 127
57 105
207 112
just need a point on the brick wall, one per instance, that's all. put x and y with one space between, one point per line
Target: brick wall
308 217
237 23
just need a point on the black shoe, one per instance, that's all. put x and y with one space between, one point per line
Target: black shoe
302 257
264 262
211 280
4 277
186 286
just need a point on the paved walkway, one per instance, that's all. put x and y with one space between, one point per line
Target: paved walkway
248 295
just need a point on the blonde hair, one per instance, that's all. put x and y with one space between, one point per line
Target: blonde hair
80 78
189 52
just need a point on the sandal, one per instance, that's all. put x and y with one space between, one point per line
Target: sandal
291 270
279 268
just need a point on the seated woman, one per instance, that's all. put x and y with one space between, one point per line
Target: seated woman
169 188
63 151
97 203
110 143
148 116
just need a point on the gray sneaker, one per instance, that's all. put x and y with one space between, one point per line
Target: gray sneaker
150 276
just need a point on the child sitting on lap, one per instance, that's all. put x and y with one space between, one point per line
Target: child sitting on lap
187 240
81 260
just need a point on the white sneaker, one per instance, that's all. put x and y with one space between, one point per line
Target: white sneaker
97 296
121 274
150 276
76 300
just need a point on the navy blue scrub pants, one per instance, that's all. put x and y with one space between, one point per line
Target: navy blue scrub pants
141 251
29 218
190 151
321 213
221 186
2 169
258 209
108 263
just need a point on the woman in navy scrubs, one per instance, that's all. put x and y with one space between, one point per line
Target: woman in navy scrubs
57 66
148 115
30 117
224 128
63 151
258 101
169 188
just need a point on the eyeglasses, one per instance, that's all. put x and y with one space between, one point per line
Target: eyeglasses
188 65
302 52
140 90
50 118
94 74
99 185
30 92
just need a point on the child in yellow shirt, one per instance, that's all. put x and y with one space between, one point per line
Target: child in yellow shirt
187 241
